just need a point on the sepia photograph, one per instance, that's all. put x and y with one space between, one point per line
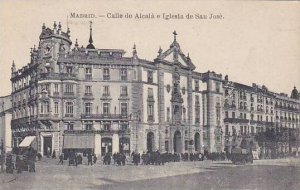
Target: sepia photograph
117 95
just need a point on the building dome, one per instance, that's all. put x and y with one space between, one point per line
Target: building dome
295 93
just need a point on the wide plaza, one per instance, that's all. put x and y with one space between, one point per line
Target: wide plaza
262 174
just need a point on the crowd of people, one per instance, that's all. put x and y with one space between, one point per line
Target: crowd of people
26 161
148 158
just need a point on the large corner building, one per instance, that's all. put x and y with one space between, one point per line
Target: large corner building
99 100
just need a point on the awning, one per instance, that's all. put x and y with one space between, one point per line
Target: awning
27 141
79 141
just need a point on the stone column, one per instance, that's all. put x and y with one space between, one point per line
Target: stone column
171 141
42 145
115 143
97 149
183 142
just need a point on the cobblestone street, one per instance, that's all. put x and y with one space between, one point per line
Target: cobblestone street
263 174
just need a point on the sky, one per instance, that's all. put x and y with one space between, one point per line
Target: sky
253 42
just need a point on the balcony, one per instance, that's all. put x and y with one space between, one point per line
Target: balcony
228 106
88 94
57 76
106 77
44 115
101 131
236 120
124 78
105 116
69 115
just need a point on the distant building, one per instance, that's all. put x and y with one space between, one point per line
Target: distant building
87 99
5 120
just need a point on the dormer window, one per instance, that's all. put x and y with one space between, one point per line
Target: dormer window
88 73
106 74
69 70
123 73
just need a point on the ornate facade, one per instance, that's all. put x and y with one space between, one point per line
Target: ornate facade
89 99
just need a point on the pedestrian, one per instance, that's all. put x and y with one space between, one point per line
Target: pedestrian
79 159
90 158
123 158
48 152
61 159
95 159
54 155
115 158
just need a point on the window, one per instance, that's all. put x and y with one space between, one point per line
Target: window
186 145
233 114
166 146
150 77
47 88
88 90
168 114
150 93
69 126
69 109
88 126
226 130
106 91
217 87
56 88
124 127
106 126
196 85
184 114
124 109
106 74
245 116
88 108
123 73
106 108
241 129
88 73
134 75
124 91
233 130
69 70
150 112
45 107
197 109
55 107
42 108
241 115
226 92
226 114
69 89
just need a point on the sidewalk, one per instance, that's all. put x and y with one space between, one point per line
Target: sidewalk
6 178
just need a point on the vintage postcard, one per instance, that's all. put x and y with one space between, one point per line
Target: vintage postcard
149 95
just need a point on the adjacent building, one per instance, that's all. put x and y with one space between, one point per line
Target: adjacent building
98 100
5 127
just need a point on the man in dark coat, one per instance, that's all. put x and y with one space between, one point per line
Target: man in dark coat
90 159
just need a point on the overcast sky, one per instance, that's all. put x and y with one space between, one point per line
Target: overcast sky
255 42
